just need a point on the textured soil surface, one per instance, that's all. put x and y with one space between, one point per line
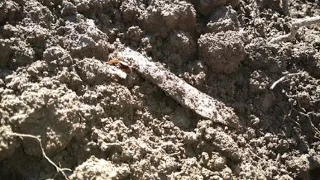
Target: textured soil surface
55 84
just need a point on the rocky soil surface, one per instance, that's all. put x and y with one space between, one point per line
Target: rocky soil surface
55 84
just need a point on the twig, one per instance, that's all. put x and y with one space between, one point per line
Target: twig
61 170
294 28
181 91
283 78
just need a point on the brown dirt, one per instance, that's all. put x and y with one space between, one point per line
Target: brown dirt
54 84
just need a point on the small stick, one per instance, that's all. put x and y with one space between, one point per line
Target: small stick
294 28
61 170
181 91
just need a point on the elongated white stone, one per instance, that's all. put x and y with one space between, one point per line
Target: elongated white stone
181 91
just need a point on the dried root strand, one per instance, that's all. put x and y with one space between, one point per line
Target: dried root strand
294 28
59 170
283 78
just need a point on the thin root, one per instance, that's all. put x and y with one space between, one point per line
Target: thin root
294 29
283 78
61 170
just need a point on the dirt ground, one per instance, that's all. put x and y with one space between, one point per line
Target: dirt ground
55 84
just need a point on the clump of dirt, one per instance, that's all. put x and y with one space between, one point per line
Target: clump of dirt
99 169
222 52
55 84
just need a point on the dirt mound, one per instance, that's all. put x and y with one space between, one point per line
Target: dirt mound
102 123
